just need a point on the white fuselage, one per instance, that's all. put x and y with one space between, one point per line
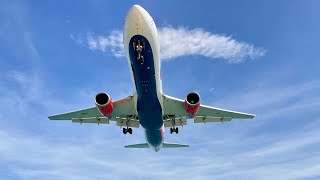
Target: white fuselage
139 24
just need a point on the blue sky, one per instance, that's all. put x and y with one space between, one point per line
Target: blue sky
255 57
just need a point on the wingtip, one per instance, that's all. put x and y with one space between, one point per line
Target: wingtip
52 117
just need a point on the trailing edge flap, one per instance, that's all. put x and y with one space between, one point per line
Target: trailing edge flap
164 145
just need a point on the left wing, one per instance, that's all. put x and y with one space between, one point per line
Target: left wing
123 113
174 110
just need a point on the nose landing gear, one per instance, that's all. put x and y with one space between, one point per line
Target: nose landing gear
139 47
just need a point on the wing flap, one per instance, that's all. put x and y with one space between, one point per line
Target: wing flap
204 119
100 120
178 121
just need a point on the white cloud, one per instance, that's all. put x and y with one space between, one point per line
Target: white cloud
85 153
177 42
71 155
267 96
182 41
92 157
112 43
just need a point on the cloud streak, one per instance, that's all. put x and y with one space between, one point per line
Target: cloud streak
71 155
112 43
178 42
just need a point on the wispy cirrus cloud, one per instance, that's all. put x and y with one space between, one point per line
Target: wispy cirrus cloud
182 41
111 43
71 155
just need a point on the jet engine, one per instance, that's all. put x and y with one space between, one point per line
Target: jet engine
104 103
192 103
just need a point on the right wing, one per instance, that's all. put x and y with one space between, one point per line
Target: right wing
174 109
124 113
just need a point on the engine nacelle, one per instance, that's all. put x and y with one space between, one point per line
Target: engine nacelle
104 104
192 103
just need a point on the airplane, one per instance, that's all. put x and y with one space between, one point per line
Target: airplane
148 107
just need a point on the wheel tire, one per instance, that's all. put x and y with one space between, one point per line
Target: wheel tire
171 130
124 130
177 130
130 131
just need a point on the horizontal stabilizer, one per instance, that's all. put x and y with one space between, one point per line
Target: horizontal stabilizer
142 145
164 145
174 145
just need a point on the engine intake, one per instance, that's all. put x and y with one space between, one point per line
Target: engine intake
192 103
104 104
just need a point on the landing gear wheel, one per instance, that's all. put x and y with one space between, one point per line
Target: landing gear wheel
124 130
176 130
127 130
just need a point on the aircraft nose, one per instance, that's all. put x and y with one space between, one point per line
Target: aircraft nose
136 20
135 11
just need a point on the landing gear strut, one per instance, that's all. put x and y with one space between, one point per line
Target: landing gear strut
127 130
176 130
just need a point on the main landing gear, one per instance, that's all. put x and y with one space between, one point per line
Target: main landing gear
173 126
127 130
173 129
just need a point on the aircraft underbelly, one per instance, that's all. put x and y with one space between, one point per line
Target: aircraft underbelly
148 106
